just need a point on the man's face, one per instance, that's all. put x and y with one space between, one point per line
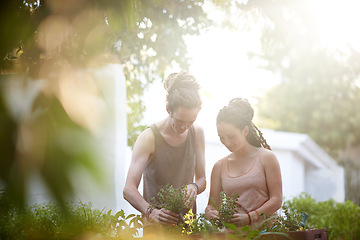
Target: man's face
182 118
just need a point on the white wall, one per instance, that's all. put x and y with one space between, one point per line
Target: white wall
292 173
107 101
323 184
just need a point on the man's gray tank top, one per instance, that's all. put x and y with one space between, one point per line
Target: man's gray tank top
169 164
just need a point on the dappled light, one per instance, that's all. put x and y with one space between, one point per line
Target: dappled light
80 80
53 33
80 96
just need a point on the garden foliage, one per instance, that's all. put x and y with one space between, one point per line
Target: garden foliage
342 220
82 221
226 209
173 199
51 221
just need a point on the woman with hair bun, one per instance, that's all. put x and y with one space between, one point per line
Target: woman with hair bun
171 151
251 170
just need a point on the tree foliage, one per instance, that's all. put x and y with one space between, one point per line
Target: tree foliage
319 88
146 37
47 39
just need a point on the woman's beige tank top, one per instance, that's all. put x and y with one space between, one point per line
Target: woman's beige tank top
251 186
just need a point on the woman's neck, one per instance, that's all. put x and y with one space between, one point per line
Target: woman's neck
246 152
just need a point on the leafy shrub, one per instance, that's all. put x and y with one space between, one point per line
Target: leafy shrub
226 209
50 221
287 221
340 219
81 221
173 199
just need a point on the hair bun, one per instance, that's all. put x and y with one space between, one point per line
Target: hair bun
180 80
242 105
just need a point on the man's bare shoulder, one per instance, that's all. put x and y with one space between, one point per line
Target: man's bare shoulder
145 138
197 127
199 131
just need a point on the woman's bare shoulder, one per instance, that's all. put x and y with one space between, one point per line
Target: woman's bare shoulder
218 164
268 157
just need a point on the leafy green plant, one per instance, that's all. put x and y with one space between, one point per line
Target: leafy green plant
226 209
288 221
173 199
340 218
51 221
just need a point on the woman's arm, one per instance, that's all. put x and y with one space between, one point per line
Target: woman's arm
215 189
273 179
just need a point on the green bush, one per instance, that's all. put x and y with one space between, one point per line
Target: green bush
50 221
342 220
82 221
173 199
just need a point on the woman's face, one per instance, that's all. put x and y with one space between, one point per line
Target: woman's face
182 118
232 137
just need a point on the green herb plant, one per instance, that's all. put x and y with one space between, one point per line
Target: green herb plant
173 199
287 221
226 209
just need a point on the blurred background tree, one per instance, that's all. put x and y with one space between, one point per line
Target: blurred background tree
320 85
50 39
318 94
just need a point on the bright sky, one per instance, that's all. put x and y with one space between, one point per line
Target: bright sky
221 65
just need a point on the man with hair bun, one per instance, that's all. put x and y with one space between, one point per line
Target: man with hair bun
171 151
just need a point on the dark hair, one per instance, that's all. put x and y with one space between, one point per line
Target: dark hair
182 91
240 113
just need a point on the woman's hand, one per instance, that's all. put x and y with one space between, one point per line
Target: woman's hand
212 213
192 191
240 219
164 216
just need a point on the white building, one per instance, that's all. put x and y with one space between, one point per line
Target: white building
305 167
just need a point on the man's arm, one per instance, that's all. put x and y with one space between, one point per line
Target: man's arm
143 147
200 178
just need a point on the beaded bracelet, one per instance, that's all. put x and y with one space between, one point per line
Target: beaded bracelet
197 187
249 218
149 211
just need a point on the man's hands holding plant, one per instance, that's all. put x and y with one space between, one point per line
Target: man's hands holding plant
164 216
171 204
